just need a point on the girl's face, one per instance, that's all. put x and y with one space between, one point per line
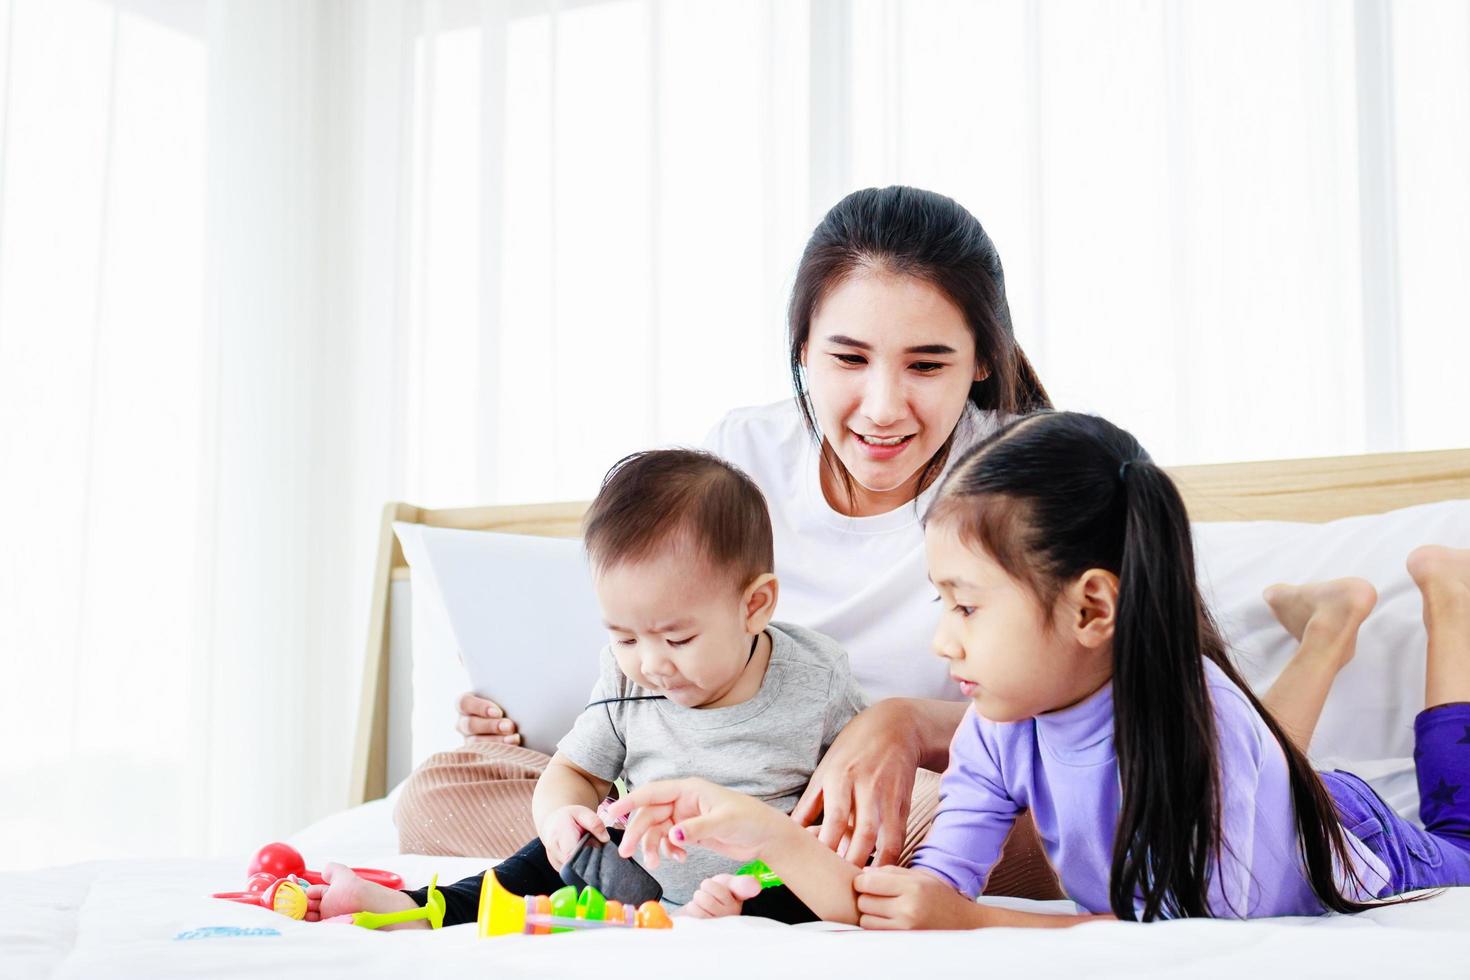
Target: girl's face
1010 656
681 630
889 365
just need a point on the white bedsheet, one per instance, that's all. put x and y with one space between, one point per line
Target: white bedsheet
123 919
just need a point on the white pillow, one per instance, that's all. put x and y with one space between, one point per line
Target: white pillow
439 676
1367 726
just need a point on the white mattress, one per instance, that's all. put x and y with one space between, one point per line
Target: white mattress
124 918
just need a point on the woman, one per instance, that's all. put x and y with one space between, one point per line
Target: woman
902 355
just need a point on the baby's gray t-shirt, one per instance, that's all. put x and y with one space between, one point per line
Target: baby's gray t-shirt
766 747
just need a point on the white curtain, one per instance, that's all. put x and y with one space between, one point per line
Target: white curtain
266 264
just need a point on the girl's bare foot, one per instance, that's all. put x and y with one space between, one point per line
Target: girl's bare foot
1330 611
1443 577
1324 617
345 893
1435 567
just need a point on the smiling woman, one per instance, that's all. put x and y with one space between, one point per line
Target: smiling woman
899 315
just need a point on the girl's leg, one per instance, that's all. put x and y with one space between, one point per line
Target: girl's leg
1324 617
1443 577
1442 730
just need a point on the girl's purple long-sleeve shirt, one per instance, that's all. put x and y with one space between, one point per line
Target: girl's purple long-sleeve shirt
1063 768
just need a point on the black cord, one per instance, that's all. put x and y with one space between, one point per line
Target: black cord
659 697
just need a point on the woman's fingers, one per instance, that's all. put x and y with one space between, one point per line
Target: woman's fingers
810 805
836 816
472 725
495 739
471 703
864 827
482 720
892 827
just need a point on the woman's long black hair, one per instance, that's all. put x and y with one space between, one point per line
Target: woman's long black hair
1058 493
918 233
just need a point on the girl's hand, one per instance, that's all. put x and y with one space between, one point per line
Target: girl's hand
482 720
907 898
722 895
864 786
670 815
564 827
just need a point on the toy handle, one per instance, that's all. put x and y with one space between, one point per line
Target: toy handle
377 876
244 898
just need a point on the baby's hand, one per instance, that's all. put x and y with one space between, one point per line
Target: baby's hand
564 827
722 895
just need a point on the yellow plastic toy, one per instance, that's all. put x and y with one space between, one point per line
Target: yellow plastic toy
287 898
503 913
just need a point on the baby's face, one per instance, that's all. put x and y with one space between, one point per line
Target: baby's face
678 627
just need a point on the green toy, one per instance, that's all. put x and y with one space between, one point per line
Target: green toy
762 873
433 911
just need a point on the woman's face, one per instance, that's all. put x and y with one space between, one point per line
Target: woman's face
889 364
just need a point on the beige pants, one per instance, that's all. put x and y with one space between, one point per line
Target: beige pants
476 800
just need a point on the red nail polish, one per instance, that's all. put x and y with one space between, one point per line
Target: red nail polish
678 835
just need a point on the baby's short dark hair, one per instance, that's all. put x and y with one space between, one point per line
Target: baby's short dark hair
662 497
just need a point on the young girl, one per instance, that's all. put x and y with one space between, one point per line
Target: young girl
1104 701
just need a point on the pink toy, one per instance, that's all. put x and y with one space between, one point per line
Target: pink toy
284 895
279 878
283 861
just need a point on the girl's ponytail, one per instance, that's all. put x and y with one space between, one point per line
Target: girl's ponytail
1163 729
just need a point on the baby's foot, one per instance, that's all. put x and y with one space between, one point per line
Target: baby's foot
1435 567
1330 611
722 895
346 893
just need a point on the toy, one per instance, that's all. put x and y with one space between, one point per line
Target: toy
284 895
601 868
284 861
279 877
432 911
762 873
565 910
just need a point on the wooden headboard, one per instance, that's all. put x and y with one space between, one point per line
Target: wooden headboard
1311 490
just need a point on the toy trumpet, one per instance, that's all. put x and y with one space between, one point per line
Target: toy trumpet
564 910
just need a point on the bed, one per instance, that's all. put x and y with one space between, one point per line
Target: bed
151 918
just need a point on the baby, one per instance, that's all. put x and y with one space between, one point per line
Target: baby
696 681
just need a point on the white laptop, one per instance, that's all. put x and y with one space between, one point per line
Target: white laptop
523 617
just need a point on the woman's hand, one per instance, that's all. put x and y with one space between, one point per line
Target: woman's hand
482 720
907 898
864 786
722 895
671 815
564 827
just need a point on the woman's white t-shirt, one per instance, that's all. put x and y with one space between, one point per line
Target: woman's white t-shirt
860 580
